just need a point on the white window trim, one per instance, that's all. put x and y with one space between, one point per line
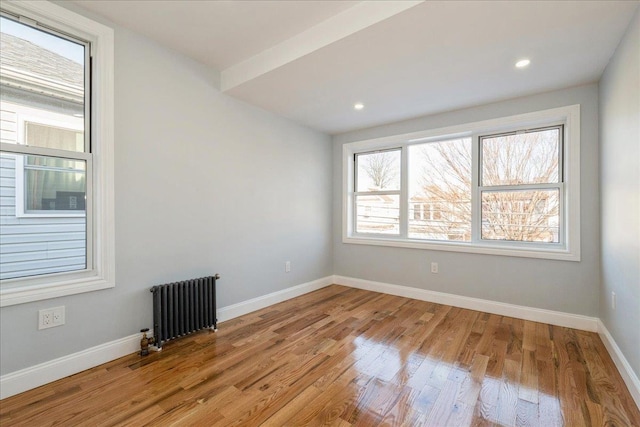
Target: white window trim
568 250
101 241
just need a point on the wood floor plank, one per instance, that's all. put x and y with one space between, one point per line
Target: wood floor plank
470 390
508 397
347 357
441 411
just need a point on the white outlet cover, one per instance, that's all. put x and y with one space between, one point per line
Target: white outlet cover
51 317
58 315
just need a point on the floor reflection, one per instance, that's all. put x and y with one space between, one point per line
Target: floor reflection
432 392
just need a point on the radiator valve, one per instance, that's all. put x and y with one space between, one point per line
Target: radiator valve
145 342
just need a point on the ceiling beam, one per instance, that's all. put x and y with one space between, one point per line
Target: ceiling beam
352 20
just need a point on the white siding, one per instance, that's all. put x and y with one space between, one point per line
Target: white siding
8 126
31 246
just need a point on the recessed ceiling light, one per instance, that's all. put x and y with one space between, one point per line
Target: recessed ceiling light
358 106
522 63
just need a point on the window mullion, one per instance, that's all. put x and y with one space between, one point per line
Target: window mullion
404 192
476 200
563 228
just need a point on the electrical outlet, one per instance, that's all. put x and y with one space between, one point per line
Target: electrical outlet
434 267
613 300
51 317
58 316
47 319
287 266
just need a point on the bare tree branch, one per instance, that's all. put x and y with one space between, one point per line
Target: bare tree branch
382 168
518 215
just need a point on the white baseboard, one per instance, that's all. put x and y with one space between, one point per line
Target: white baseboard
236 310
518 311
53 370
628 375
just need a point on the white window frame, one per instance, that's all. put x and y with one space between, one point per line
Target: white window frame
559 185
100 274
402 212
569 247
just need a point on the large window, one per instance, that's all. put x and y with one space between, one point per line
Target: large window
56 102
508 186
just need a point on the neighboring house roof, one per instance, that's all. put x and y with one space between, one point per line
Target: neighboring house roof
52 75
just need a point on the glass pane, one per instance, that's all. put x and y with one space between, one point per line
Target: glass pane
440 190
42 88
52 238
529 158
378 214
525 216
378 171
54 137
62 188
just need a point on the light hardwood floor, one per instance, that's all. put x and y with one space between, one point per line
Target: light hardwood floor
342 357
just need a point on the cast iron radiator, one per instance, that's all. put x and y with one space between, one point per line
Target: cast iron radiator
181 308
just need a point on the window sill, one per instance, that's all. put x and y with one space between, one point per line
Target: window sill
33 289
557 253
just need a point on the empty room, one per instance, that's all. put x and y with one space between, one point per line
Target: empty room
291 213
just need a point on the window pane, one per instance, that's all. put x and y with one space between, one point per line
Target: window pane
378 214
378 171
54 184
529 158
440 190
525 216
43 82
53 137
44 244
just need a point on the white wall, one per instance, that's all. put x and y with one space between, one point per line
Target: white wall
204 184
564 286
620 194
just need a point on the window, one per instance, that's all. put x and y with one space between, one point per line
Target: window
377 195
440 177
521 182
506 186
56 164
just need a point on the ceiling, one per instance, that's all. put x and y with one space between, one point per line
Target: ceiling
310 61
